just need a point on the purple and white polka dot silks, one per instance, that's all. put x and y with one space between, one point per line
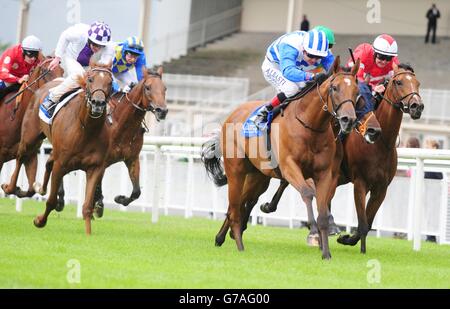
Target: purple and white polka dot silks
99 33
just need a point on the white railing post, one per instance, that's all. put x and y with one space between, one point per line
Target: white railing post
155 207
18 204
418 203
80 195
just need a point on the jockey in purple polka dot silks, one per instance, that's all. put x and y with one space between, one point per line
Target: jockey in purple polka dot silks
74 49
290 62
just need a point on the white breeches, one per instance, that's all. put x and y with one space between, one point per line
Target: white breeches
73 69
273 75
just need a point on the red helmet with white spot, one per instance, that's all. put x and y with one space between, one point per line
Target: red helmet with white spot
386 45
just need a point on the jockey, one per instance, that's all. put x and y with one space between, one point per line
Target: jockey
128 63
18 60
289 63
75 47
329 33
376 65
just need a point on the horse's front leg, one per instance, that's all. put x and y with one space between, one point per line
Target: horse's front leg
323 183
98 201
360 204
133 171
93 178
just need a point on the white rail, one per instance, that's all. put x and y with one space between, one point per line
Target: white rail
189 147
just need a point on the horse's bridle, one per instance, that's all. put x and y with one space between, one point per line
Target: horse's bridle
150 107
334 107
399 104
89 93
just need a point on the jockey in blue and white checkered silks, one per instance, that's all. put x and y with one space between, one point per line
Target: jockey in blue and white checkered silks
291 61
129 62
75 47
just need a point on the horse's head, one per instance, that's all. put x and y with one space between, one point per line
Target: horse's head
154 93
343 89
97 82
403 89
369 127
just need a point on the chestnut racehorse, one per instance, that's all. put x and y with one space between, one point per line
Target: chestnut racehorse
302 143
12 113
371 168
77 134
368 130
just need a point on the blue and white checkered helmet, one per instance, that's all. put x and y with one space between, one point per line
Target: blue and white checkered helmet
315 43
99 33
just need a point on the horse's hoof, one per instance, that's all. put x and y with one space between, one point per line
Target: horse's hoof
98 210
6 189
39 223
343 239
122 200
326 256
333 230
39 189
59 206
265 208
313 240
19 193
219 241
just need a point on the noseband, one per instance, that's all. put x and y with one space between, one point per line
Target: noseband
150 107
89 93
335 107
399 104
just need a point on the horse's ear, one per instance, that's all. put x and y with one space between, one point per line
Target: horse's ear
160 71
336 65
355 67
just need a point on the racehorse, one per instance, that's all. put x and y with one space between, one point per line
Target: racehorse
304 148
126 135
368 130
371 168
77 134
12 113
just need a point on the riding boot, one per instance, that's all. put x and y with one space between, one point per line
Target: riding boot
261 117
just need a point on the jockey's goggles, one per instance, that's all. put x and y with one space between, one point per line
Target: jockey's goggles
131 54
384 57
313 56
31 53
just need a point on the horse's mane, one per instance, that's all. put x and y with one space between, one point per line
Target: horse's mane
406 66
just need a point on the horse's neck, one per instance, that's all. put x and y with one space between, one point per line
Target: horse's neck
390 119
127 116
310 108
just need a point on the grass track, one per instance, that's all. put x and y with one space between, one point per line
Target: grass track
127 251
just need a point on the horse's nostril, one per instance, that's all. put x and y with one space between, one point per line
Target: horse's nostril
413 106
344 119
371 131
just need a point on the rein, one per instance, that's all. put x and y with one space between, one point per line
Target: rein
325 108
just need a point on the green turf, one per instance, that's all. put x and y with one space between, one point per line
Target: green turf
127 250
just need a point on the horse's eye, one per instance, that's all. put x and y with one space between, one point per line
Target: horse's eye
334 88
90 79
398 82
147 88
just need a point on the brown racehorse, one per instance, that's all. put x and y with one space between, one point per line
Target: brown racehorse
125 133
11 116
368 130
77 134
371 168
303 145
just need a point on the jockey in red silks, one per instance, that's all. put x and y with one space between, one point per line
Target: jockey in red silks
18 60
376 65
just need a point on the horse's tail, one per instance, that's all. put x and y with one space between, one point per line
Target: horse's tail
211 154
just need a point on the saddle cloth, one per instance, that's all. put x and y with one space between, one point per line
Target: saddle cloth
43 113
249 129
